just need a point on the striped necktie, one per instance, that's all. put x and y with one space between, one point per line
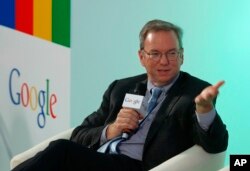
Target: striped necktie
153 99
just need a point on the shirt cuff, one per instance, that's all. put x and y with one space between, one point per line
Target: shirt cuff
206 119
103 138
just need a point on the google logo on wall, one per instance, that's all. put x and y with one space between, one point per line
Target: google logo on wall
41 101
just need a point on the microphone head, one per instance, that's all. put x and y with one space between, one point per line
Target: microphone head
140 89
134 98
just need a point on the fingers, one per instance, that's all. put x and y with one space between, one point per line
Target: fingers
210 92
128 119
204 101
219 84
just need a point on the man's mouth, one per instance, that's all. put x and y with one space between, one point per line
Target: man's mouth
163 70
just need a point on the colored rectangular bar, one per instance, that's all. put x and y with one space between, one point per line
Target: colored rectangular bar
42 19
7 13
61 22
24 16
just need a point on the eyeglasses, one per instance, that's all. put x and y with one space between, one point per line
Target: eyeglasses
172 55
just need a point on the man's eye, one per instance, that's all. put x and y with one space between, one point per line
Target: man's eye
172 53
154 54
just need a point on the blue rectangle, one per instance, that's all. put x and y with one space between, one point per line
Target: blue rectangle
7 13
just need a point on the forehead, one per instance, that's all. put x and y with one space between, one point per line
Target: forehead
161 40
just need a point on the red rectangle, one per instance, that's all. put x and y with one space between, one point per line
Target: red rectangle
24 16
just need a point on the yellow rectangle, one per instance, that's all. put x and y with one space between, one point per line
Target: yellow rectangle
43 19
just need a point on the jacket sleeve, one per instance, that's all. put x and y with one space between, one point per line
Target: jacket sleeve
215 139
89 132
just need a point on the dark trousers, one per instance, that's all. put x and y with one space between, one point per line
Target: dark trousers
65 155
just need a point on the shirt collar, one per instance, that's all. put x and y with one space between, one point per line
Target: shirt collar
164 88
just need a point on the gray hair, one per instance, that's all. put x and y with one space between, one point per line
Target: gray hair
159 25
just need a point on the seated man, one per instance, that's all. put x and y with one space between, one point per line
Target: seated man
177 111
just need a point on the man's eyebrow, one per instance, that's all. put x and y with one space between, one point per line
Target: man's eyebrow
169 50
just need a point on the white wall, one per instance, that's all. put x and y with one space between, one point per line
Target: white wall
35 91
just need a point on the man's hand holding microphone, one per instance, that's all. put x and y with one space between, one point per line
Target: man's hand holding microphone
128 118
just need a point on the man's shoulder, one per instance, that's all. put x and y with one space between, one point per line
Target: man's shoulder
135 78
193 80
125 84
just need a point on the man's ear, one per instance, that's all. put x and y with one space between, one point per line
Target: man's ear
182 58
141 57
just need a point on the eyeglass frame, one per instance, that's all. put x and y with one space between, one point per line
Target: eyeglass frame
166 54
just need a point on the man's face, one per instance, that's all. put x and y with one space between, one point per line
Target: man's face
163 71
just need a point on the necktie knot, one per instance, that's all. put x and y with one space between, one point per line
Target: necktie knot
156 91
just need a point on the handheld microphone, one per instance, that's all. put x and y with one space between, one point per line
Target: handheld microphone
134 101
140 89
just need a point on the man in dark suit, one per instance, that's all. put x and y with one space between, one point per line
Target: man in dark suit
185 115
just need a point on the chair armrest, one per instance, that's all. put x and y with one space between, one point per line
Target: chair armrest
226 168
193 159
19 158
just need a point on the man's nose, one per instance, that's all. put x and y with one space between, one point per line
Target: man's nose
164 59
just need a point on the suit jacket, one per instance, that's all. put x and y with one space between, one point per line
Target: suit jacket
174 129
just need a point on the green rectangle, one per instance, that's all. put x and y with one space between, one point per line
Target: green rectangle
61 22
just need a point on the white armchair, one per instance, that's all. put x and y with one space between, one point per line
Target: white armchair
226 168
193 159
19 158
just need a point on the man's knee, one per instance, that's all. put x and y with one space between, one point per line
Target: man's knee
61 144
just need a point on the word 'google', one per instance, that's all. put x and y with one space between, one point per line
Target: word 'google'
29 96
